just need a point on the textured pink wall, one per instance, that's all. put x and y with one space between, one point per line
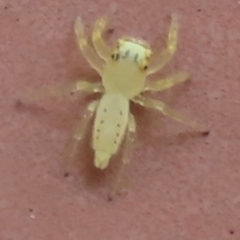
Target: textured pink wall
178 189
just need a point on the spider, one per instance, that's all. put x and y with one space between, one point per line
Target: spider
124 69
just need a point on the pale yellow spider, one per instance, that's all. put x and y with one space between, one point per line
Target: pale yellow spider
124 71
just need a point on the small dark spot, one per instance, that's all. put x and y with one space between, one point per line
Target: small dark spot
6 7
118 134
110 198
205 133
66 174
71 93
136 58
98 130
112 56
121 113
199 10
17 19
231 232
105 110
118 125
145 67
110 31
30 210
102 122
117 56
115 142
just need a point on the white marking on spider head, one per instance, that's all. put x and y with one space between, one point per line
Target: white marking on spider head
133 51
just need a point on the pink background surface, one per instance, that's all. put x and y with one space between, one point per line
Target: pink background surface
187 189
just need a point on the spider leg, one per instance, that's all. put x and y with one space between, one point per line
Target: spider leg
167 111
167 82
64 90
87 51
98 42
159 60
128 147
80 130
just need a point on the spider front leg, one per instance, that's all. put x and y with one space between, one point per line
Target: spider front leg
171 113
99 44
127 150
158 61
65 90
166 83
87 51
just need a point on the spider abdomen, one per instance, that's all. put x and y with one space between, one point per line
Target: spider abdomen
109 127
